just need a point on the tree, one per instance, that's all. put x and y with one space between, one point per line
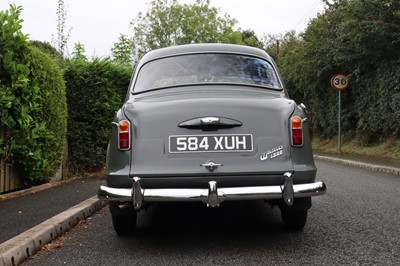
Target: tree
32 103
249 38
355 37
63 34
79 52
97 89
47 48
122 50
168 23
272 44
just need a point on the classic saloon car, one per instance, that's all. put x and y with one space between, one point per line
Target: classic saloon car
209 123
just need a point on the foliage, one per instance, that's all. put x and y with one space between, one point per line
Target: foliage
389 149
359 38
63 33
53 108
122 51
24 110
249 38
48 49
168 23
79 52
95 91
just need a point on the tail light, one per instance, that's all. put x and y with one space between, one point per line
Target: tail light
297 131
124 135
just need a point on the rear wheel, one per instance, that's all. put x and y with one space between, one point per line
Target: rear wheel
123 218
124 224
294 220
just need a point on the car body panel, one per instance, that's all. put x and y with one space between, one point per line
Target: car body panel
155 121
172 128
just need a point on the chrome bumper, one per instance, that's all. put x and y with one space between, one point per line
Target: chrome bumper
212 196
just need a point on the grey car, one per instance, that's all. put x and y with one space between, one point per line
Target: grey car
209 123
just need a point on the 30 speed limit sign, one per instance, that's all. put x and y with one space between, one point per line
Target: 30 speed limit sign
339 82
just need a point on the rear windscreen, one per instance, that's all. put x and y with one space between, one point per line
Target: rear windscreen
206 68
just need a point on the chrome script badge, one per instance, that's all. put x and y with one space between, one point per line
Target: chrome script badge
271 154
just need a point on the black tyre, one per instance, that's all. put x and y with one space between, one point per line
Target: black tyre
124 224
123 218
294 220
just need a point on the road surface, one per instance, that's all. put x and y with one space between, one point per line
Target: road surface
357 222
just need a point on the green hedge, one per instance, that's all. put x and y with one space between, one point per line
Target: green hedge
53 107
29 80
95 91
48 49
360 38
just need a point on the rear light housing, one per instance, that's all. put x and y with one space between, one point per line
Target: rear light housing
296 128
124 135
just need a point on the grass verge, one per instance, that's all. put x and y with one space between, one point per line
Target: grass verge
389 149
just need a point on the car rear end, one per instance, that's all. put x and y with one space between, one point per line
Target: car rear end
211 139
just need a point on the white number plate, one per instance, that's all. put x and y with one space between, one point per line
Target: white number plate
211 143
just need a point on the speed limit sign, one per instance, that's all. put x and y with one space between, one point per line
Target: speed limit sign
339 82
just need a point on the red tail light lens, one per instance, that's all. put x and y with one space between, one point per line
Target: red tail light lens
297 131
124 135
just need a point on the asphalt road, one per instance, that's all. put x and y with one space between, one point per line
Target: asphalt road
356 223
22 213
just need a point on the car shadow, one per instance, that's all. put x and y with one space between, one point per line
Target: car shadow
181 224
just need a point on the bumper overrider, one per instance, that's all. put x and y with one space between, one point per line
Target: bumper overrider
213 195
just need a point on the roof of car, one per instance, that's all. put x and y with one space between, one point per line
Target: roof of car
204 48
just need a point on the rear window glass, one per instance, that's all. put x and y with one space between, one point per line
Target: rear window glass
206 68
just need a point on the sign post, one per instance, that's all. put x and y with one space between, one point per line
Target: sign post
339 82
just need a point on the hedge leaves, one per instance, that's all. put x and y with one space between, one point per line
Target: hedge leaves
32 103
95 91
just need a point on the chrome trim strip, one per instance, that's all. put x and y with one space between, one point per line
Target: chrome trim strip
209 120
211 196
114 194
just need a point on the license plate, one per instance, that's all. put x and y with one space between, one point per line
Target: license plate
211 143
